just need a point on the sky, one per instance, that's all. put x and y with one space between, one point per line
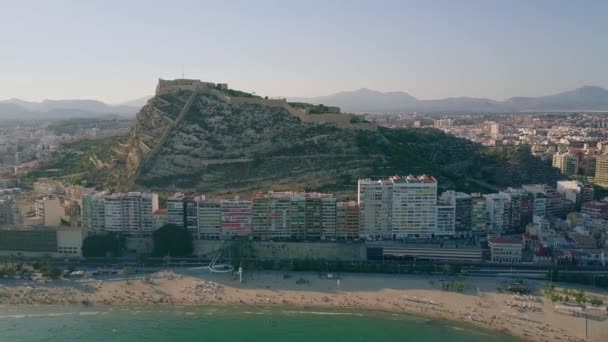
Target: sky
115 51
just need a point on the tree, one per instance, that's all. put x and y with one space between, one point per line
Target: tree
447 269
172 240
596 301
579 296
111 244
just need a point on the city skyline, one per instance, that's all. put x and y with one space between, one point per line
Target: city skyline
113 52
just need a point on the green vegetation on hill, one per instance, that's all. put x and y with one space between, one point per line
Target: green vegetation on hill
75 163
457 162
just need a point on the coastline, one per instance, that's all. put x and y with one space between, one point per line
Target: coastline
480 305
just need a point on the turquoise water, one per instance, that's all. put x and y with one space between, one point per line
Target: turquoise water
209 324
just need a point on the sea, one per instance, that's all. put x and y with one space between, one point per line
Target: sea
219 324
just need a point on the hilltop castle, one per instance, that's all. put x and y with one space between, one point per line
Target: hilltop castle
166 86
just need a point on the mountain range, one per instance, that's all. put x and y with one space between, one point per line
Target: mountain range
52 109
587 98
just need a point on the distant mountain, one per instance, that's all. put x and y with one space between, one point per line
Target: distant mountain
17 109
137 103
366 100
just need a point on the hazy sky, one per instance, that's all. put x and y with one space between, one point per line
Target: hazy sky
116 50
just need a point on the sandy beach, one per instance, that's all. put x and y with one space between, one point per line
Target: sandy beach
531 317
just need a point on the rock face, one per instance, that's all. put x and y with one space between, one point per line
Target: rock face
206 140
196 136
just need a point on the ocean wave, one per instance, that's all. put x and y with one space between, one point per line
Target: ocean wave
324 313
36 315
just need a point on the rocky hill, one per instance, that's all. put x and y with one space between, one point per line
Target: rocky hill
196 136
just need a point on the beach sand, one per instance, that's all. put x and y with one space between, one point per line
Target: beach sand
530 317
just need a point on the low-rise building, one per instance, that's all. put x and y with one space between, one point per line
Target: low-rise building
506 249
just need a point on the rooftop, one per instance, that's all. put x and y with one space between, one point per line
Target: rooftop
510 239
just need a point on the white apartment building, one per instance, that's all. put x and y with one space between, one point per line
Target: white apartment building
398 207
498 209
414 207
131 213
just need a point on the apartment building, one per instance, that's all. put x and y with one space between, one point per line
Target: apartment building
347 220
567 163
601 170
50 209
462 204
131 213
209 220
236 217
479 214
414 207
499 210
93 211
375 198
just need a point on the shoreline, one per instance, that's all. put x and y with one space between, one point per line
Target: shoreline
480 305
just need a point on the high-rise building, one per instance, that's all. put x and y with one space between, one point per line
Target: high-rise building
260 217
131 213
398 207
498 208
567 163
414 207
209 220
555 200
297 218
328 218
446 219
313 218
176 210
601 170
182 211
575 192
347 220
462 203
8 210
93 211
236 217
375 208
520 209
479 214
539 207
279 211
50 209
